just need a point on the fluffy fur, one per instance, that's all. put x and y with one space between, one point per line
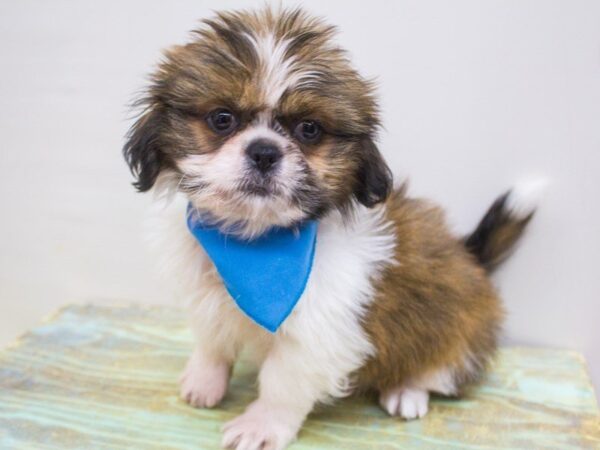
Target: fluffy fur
394 305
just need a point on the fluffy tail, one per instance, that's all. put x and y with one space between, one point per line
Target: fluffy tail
501 227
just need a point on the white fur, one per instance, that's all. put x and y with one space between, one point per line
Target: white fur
526 196
275 68
406 402
204 382
316 349
277 72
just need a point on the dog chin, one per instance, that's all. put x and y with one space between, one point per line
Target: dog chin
239 211
265 189
250 214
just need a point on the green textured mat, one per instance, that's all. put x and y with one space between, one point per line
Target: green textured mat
99 377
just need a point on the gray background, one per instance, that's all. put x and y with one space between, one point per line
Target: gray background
477 96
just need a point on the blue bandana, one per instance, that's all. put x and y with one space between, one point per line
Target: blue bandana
265 276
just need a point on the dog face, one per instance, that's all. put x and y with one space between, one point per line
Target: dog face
261 121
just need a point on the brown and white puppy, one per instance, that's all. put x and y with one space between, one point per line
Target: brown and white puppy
262 121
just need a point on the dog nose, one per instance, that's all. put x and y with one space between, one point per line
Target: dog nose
263 155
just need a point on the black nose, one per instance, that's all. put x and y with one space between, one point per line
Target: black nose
263 155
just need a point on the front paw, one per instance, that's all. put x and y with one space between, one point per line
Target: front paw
261 428
204 383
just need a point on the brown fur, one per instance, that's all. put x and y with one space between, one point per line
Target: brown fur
435 309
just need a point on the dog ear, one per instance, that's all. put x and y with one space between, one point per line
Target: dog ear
142 151
374 177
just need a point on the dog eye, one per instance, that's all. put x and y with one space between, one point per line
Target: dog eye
222 121
308 131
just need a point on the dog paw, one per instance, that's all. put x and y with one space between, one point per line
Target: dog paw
203 384
260 429
408 403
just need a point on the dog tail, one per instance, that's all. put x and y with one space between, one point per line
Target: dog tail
503 224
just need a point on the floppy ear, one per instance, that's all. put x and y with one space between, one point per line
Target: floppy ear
374 177
142 150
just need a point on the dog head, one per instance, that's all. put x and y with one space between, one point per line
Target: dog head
261 121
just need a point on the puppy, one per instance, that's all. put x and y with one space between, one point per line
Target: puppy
260 122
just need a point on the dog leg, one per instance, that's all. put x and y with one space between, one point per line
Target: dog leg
206 375
204 380
289 386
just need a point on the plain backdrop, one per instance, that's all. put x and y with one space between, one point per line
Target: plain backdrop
476 96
